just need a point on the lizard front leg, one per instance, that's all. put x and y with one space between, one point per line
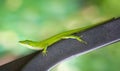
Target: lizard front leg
44 52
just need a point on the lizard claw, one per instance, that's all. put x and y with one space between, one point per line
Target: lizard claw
44 53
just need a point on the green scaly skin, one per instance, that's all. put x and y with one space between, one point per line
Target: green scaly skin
43 45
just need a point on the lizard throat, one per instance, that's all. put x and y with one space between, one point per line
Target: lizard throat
31 47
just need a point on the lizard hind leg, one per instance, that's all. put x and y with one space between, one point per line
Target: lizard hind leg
75 37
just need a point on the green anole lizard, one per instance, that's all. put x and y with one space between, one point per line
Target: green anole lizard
44 44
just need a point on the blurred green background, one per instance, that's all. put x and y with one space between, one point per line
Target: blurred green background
35 19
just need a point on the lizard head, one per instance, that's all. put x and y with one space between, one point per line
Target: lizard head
31 44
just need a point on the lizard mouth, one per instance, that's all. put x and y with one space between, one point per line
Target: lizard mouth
31 47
